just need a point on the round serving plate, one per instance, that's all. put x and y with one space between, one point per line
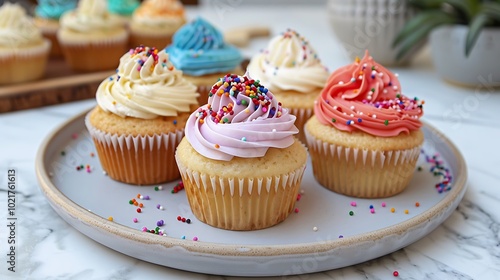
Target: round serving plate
322 233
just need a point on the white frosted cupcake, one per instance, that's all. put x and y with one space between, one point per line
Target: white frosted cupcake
239 162
23 50
140 118
291 69
91 38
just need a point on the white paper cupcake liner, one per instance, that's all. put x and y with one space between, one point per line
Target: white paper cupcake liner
241 203
141 160
361 172
302 115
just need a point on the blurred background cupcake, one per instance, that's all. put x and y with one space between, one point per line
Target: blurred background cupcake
292 70
91 38
23 50
47 14
155 21
199 50
140 117
123 8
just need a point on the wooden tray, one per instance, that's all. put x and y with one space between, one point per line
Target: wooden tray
59 85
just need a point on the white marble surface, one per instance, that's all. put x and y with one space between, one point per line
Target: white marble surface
465 246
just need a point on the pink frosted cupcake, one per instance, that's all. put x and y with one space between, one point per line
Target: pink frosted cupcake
240 164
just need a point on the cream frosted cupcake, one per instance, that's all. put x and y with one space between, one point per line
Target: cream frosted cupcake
199 50
140 118
23 50
239 162
91 38
291 69
364 138
155 21
47 14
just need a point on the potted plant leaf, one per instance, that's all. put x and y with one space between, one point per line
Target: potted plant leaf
464 39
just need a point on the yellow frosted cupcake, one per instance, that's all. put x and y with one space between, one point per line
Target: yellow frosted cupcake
364 138
140 118
91 38
291 69
47 14
155 21
239 162
23 50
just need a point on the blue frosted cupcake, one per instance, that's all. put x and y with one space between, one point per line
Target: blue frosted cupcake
199 50
123 8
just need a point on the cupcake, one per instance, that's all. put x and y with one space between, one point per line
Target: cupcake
291 69
47 15
123 8
91 38
199 50
155 21
239 162
140 117
23 50
364 138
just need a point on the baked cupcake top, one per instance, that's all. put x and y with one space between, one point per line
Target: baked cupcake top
123 7
53 9
242 119
160 14
90 16
146 86
17 28
198 48
367 97
289 63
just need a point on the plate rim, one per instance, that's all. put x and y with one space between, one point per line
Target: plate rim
58 199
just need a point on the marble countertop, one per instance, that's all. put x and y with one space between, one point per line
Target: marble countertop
465 246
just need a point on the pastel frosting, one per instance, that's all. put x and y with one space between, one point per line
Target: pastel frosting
242 119
17 28
289 63
198 48
53 9
160 14
146 86
367 97
123 7
90 16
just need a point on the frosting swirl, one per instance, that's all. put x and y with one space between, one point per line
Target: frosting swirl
242 119
146 86
289 63
198 48
90 15
53 9
122 7
366 96
16 27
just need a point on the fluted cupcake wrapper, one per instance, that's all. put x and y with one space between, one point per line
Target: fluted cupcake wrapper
302 116
241 203
24 64
361 172
140 160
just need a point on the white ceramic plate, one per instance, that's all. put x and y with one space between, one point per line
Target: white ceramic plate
86 200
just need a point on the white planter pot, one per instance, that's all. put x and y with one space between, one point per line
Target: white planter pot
482 67
371 25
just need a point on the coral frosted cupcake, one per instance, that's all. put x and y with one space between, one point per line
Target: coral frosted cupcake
364 138
91 38
291 69
239 162
155 21
140 118
199 50
47 14
23 50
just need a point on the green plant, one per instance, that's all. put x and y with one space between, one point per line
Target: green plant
433 13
